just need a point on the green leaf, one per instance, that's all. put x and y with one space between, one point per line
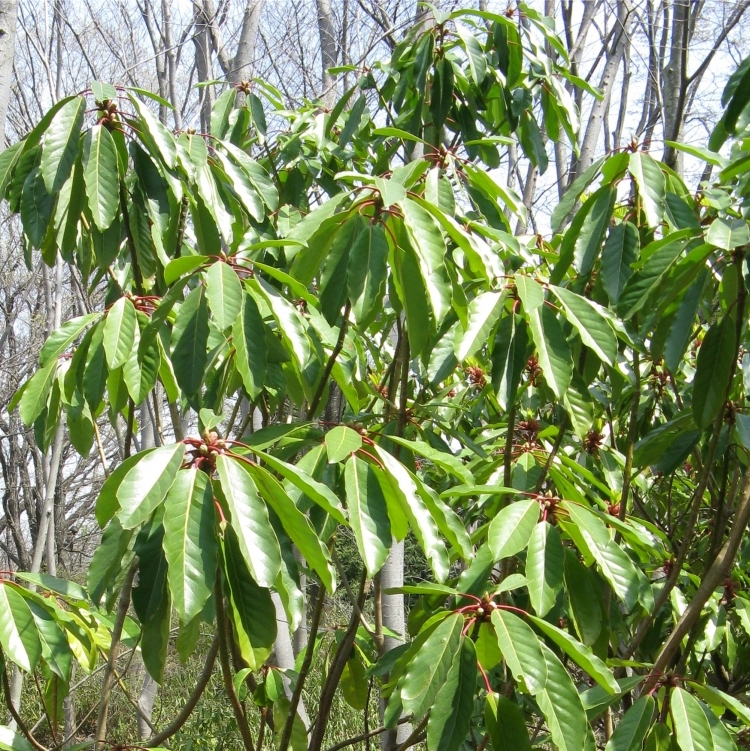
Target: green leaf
368 514
715 360
553 351
55 650
101 176
522 651
620 251
587 319
511 529
484 310
561 706
427 672
252 609
404 489
259 178
474 52
367 271
441 92
10 740
189 341
107 559
690 725
120 327
35 392
588 241
505 724
572 194
296 525
390 191
190 542
249 197
154 135
177 267
429 246
453 708
251 350
728 233
314 490
580 654
648 281
146 484
633 726
583 602
545 559
223 106
60 146
18 634
444 460
341 442
651 184
224 294
249 519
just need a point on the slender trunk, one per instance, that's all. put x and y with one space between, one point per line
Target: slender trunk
285 654
328 52
202 40
149 688
8 15
245 56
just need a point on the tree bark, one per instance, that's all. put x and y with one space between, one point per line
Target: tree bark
328 52
8 15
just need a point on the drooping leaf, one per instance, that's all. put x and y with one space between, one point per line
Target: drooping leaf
189 341
367 271
691 727
224 294
249 339
620 251
18 634
452 710
545 560
715 359
120 327
522 651
553 351
190 542
427 672
484 311
249 519
651 184
60 146
101 176
146 484
505 724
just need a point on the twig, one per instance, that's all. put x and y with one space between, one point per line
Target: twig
366 736
14 714
122 611
331 360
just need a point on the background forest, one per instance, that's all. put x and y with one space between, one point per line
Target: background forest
534 451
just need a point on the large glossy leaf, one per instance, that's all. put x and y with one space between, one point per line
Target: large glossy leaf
651 184
101 176
155 136
553 351
545 560
146 484
368 514
120 328
107 559
367 271
593 328
35 392
224 294
252 608
511 529
583 599
588 242
505 724
249 339
580 654
314 490
341 442
633 726
429 246
249 519
190 542
404 489
18 633
249 198
715 359
427 672
256 175
447 462
690 727
189 341
60 146
522 651
450 716
561 706
296 525
484 310
620 251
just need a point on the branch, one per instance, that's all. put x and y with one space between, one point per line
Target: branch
365 736
192 701
331 360
14 714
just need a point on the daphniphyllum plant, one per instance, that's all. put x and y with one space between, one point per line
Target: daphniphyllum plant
334 312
